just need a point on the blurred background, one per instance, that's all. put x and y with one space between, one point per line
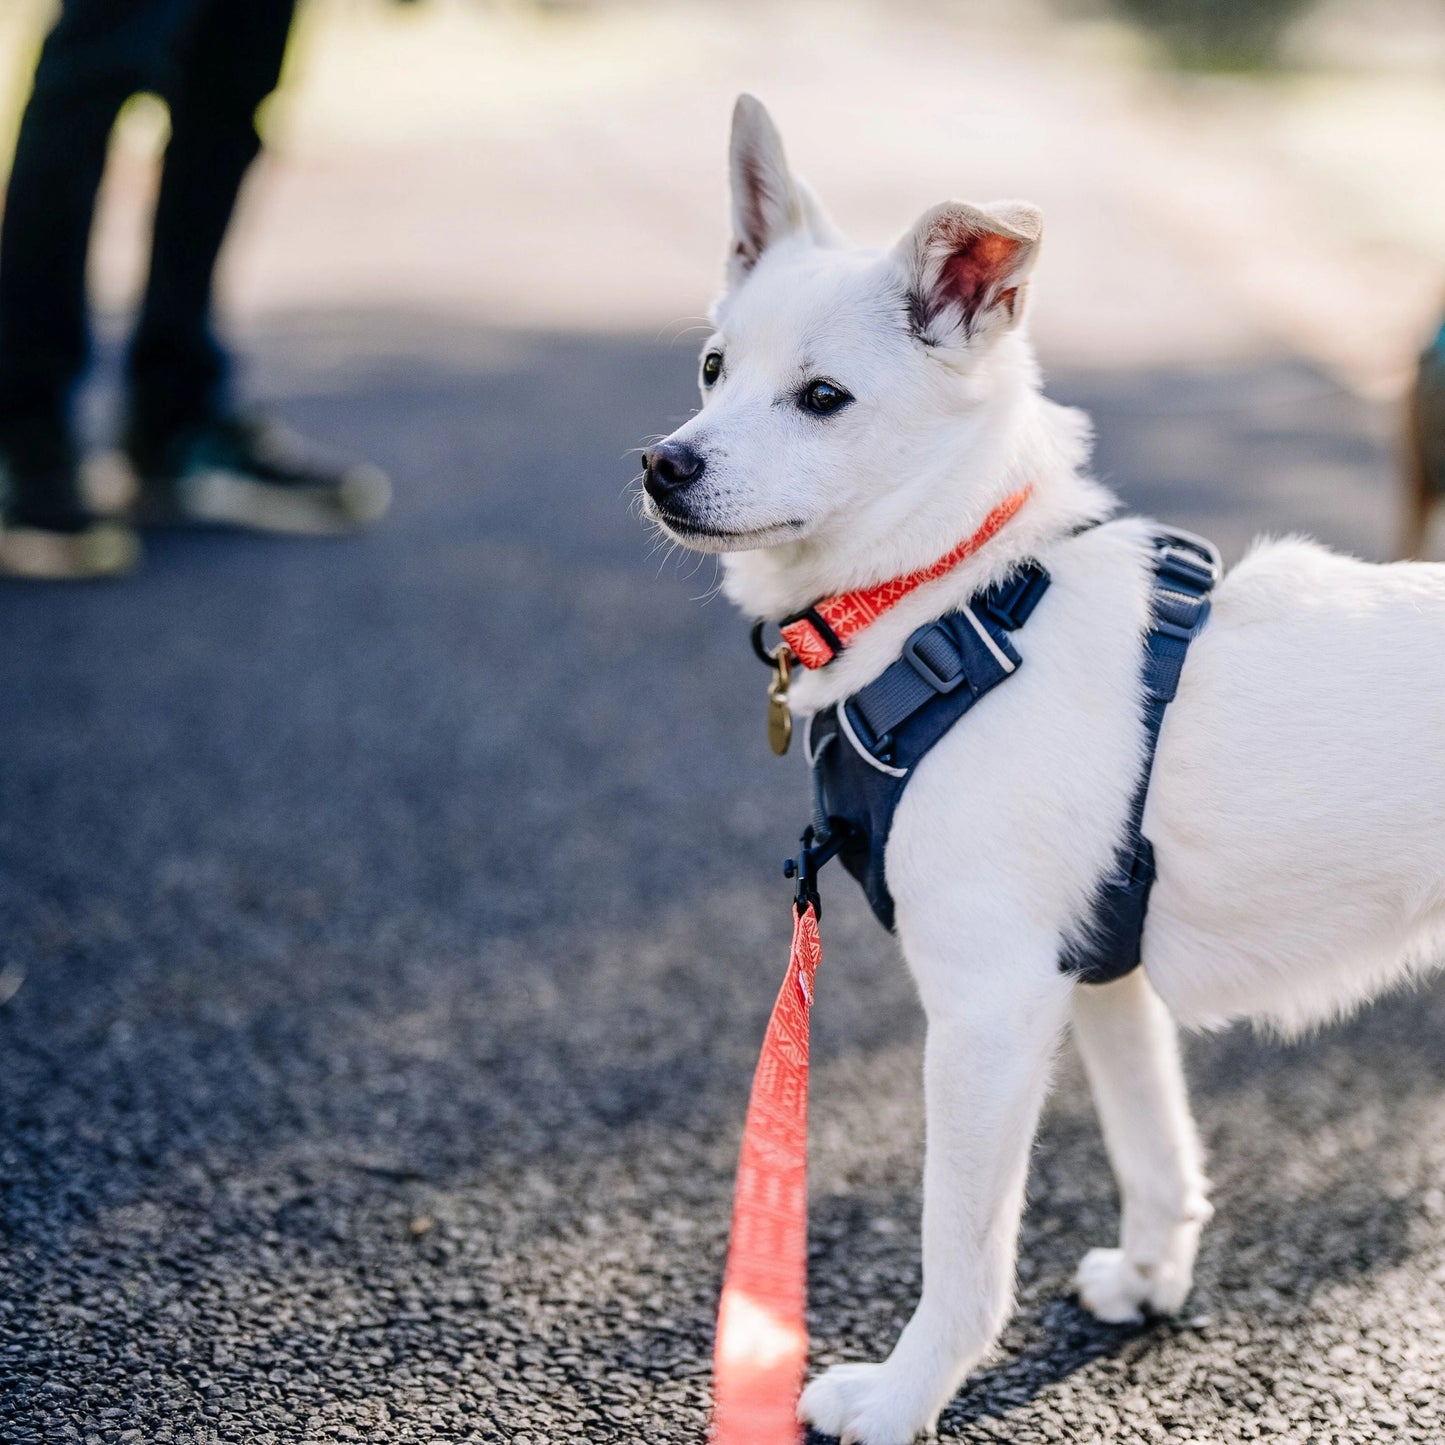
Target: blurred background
387 924
1225 185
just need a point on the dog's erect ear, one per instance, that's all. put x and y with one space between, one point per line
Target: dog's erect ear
967 267
768 201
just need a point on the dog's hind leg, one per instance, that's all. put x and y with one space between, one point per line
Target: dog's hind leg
990 1049
1130 1049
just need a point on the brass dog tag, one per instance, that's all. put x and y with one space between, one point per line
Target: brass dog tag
780 717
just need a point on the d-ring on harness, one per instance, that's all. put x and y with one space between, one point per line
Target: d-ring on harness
862 753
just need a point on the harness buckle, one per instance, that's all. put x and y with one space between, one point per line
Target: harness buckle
1189 560
925 669
1192 573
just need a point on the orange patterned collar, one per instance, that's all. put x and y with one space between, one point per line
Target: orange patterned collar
819 633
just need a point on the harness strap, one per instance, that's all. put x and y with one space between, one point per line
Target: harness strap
1186 569
957 650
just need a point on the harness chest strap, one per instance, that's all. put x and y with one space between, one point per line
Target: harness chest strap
863 751
1186 569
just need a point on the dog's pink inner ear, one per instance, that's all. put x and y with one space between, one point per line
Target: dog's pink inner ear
979 263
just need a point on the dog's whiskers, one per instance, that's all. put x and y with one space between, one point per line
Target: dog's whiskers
683 325
715 590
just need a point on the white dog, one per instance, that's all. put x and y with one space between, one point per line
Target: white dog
862 411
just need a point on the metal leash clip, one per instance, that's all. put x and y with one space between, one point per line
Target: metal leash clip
814 850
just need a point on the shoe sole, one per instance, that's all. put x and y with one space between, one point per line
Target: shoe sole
220 498
102 551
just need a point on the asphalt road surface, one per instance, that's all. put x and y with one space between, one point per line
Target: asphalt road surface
389 924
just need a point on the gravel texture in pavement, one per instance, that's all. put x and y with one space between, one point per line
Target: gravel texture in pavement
387 928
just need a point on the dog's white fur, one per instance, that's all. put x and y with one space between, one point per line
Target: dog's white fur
1297 806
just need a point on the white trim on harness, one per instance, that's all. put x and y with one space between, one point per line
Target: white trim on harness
999 656
846 728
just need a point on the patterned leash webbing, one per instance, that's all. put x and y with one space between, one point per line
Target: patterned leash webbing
762 1334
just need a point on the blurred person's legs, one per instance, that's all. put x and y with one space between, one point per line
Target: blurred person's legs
214 61
99 53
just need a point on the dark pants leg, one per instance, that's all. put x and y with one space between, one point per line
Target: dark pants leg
99 54
214 61
227 60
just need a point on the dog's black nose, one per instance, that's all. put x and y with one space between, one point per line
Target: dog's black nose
668 468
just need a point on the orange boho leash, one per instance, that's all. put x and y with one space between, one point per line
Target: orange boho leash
761 1351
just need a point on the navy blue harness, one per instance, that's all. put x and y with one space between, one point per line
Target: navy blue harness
864 750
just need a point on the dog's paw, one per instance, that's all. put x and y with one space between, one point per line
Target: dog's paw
864 1405
1118 1292
1110 1288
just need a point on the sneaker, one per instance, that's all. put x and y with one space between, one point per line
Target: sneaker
252 474
48 534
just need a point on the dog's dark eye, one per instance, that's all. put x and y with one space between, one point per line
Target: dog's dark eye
711 367
824 397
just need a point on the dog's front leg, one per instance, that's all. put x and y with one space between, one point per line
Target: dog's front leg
987 1062
1130 1049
